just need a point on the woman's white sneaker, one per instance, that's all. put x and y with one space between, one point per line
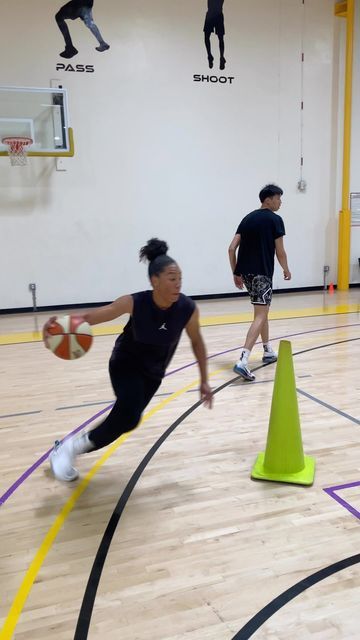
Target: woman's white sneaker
61 461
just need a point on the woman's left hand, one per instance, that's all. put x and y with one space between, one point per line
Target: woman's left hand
45 333
206 395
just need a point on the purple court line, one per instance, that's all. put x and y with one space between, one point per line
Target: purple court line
331 491
45 455
38 462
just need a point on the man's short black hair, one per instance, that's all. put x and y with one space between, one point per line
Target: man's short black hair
269 191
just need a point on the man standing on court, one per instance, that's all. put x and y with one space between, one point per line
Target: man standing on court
258 238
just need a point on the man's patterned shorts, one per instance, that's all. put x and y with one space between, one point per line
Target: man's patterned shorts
259 288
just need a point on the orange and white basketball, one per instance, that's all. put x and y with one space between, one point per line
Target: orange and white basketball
69 337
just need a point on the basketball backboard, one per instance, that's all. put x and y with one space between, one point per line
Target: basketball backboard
40 114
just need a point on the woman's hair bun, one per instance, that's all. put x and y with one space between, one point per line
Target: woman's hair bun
153 249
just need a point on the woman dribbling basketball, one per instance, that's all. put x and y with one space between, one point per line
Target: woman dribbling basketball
141 354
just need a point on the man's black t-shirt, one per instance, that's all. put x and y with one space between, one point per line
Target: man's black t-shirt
258 230
151 335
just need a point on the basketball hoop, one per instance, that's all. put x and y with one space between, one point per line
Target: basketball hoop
17 148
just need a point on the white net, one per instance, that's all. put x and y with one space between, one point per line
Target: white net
17 148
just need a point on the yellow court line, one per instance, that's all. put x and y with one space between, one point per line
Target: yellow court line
7 631
281 315
36 336
113 329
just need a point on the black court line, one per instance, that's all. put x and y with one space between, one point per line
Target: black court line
84 619
280 601
236 384
87 606
84 404
16 415
328 406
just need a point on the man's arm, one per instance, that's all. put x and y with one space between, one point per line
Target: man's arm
235 244
282 257
198 347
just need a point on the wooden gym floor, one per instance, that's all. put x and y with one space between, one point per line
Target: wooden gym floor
164 536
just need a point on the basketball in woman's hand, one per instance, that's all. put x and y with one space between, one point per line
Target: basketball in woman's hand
69 337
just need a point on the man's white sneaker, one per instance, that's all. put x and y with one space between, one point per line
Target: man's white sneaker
61 461
243 371
269 356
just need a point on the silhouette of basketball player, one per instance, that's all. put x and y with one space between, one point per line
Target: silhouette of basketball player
71 11
214 22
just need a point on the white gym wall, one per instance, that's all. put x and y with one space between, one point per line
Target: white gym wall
157 154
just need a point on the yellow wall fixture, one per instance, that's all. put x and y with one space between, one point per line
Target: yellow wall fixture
58 154
346 9
341 9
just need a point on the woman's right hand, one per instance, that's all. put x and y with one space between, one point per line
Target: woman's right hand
45 332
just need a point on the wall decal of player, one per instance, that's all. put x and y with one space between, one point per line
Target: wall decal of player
71 11
214 23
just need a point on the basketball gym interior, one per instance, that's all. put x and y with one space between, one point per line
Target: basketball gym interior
124 121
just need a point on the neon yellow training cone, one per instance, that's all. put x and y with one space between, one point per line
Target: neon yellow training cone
284 459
